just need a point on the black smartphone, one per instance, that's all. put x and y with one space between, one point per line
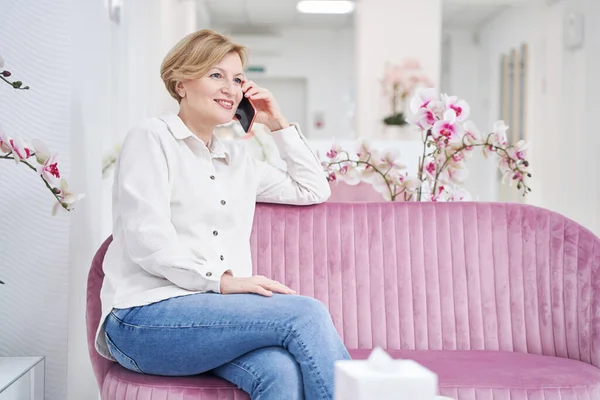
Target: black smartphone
245 114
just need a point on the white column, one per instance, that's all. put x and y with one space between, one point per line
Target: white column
150 28
90 123
391 31
590 167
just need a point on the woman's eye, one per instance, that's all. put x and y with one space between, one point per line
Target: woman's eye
215 75
238 81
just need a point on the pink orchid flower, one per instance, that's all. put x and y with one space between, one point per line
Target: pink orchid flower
430 168
448 128
518 150
366 152
334 151
20 150
458 157
49 169
460 107
460 195
393 159
438 196
488 151
411 183
457 173
424 119
349 175
471 132
517 176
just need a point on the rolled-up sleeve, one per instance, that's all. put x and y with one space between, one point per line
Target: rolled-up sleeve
143 189
304 183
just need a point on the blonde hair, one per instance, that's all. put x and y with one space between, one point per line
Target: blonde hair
194 56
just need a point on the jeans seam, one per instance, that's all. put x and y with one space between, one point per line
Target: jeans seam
246 369
192 326
311 362
115 347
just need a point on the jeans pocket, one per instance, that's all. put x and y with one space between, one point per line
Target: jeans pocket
121 313
121 357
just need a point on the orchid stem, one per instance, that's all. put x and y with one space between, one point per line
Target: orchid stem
9 156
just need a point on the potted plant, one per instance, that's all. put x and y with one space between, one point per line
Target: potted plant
449 138
399 83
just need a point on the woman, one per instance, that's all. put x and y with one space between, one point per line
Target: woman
178 296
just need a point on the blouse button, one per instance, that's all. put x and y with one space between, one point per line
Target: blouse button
212 177
222 258
209 274
215 233
223 202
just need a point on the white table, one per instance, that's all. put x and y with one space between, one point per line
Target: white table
22 378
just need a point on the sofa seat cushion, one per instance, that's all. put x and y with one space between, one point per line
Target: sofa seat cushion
504 375
463 375
122 384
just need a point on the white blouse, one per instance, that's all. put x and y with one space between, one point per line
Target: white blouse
182 214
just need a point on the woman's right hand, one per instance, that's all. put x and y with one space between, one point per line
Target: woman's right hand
255 284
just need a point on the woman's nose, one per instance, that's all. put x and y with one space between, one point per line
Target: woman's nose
228 88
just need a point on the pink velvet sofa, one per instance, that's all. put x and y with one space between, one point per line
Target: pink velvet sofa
502 301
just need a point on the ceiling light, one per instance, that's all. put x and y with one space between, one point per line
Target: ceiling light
325 7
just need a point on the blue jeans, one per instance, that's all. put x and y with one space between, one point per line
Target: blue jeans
276 347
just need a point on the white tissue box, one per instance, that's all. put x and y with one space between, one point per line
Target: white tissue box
383 378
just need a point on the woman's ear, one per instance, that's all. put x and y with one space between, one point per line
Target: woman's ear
180 89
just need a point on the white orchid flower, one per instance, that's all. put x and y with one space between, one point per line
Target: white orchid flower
5 146
67 198
42 153
499 131
422 99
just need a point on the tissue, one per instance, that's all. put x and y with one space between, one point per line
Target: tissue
383 378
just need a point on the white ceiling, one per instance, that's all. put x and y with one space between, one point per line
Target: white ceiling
257 16
249 16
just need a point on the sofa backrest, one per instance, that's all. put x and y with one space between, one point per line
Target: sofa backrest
478 276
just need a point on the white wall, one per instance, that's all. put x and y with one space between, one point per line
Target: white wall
589 163
90 124
389 31
44 259
562 100
91 80
325 58
555 108
464 77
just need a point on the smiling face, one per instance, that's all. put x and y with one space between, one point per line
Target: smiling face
214 97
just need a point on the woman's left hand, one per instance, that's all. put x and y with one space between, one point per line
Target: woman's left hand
267 109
